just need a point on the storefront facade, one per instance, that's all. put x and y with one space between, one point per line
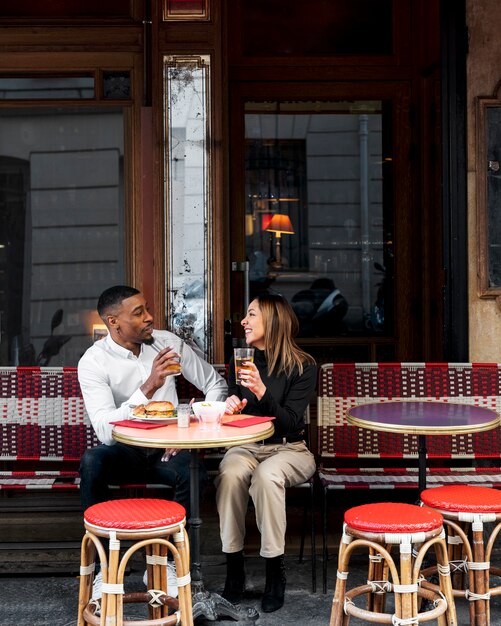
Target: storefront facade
202 151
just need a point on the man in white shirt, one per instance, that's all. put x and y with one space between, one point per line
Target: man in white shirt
129 367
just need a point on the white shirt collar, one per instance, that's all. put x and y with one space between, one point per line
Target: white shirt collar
115 347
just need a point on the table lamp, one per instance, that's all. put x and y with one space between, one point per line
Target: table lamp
280 224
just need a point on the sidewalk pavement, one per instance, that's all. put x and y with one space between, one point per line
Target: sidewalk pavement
52 601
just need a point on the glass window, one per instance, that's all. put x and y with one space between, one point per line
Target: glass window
47 88
62 235
117 86
318 222
188 198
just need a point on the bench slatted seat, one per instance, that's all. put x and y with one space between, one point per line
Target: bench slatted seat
356 458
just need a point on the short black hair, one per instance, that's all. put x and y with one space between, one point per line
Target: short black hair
113 296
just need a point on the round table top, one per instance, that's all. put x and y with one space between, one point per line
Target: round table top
170 436
423 417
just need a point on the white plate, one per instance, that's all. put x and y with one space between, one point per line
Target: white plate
155 420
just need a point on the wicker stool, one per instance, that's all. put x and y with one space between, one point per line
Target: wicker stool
465 509
415 530
148 523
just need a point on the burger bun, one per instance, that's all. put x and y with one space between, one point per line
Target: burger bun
155 408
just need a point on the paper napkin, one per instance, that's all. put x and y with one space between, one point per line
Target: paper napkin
248 421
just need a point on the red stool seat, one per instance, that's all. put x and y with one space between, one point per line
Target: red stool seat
134 514
392 517
464 498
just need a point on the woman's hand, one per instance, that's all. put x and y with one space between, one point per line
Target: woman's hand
251 379
235 405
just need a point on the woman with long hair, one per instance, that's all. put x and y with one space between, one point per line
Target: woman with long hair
279 383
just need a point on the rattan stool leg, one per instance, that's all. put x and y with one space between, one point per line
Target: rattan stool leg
480 588
181 542
377 571
109 599
494 569
444 573
337 610
87 567
458 547
156 559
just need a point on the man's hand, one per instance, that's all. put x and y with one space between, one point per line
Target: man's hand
160 369
169 453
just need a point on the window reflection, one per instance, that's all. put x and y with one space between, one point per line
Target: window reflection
47 88
325 173
62 235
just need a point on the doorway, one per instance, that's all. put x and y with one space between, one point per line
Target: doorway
326 213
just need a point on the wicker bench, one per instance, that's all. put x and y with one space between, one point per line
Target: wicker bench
357 458
45 429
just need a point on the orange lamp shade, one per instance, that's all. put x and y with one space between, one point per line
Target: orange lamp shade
280 223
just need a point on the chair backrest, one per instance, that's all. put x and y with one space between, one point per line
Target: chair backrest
42 415
342 386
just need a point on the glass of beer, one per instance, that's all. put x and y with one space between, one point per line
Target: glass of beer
241 356
175 344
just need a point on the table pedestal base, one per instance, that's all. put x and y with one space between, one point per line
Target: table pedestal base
213 606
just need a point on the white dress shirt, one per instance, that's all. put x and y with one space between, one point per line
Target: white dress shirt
110 377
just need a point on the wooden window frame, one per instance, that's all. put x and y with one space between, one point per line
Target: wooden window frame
483 104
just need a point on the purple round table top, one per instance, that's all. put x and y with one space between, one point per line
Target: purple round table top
423 417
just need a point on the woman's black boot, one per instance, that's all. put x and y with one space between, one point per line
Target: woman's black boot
274 591
235 577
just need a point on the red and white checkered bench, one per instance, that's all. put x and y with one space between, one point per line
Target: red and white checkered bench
45 429
355 458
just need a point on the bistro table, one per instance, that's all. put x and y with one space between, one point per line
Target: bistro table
210 605
423 417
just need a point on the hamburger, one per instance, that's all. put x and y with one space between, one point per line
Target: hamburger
155 408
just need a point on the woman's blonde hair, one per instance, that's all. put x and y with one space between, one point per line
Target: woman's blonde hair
280 327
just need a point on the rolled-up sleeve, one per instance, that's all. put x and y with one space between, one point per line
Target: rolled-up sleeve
99 400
